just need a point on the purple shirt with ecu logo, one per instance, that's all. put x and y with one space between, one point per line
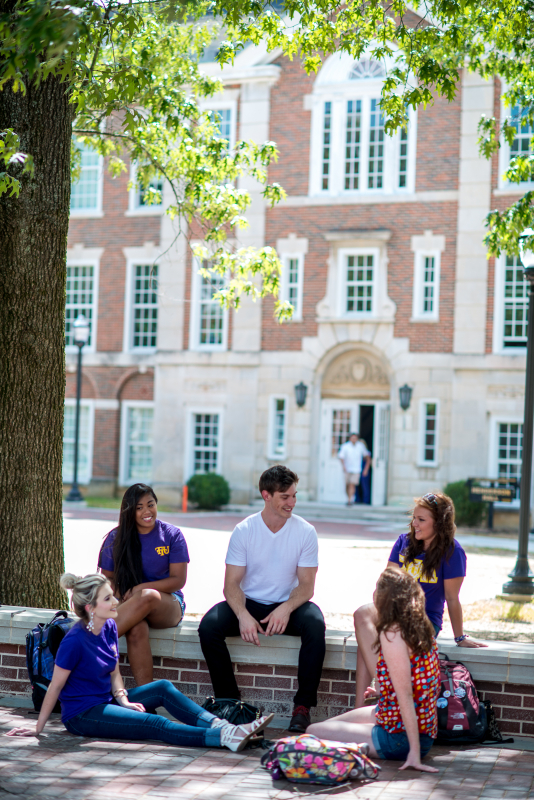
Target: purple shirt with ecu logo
164 545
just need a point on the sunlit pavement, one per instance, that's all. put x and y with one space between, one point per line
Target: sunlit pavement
351 556
58 765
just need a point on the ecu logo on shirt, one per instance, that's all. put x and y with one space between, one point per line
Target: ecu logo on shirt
162 551
415 568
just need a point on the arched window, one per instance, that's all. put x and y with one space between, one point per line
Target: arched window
366 69
351 152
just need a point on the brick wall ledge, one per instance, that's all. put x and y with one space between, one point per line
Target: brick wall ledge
266 675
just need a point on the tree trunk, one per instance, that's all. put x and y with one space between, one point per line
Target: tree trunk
33 244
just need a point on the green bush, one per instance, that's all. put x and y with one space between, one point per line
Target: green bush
208 490
467 512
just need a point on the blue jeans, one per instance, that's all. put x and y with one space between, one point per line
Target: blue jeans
111 721
394 746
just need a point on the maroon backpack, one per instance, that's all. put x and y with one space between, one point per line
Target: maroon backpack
462 717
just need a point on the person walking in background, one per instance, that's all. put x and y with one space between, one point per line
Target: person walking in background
356 459
271 565
93 700
145 560
431 554
363 491
404 723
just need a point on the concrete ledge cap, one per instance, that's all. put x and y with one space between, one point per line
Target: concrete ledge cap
500 662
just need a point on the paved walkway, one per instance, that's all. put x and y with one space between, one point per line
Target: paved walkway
58 765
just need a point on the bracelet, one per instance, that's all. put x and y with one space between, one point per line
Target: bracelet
459 639
120 693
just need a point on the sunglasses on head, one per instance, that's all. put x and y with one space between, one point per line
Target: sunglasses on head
430 498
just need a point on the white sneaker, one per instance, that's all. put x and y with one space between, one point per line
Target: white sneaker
236 737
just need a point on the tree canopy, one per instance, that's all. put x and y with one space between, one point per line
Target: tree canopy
137 64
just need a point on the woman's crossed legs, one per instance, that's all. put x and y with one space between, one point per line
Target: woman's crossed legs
145 609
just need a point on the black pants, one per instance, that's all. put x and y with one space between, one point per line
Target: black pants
307 621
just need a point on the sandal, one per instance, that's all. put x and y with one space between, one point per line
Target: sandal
236 737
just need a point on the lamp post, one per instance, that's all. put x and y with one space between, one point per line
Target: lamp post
521 575
81 332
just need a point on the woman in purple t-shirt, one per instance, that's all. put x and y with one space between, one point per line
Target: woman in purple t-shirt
437 561
92 696
145 560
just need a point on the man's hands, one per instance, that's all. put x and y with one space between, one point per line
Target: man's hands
277 620
249 628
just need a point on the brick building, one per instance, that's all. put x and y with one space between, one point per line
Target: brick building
381 240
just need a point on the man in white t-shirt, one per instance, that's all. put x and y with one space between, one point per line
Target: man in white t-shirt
353 455
271 565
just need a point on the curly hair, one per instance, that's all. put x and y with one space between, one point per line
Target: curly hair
400 605
442 509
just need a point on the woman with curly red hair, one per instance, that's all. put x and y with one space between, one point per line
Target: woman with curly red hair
403 725
431 554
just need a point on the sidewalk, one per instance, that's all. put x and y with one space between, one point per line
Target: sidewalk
58 765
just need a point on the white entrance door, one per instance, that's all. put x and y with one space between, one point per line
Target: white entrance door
338 419
380 454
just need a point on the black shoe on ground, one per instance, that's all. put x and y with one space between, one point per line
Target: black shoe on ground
300 720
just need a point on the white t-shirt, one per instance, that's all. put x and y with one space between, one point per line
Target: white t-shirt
352 455
271 558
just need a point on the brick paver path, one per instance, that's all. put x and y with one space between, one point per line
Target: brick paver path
58 765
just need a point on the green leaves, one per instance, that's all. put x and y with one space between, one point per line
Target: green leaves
247 271
14 160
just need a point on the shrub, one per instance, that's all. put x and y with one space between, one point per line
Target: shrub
467 511
208 490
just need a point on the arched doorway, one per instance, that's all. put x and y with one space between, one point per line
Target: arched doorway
355 394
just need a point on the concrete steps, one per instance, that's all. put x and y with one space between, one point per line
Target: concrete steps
336 513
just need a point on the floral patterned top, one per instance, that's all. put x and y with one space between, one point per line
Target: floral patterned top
426 688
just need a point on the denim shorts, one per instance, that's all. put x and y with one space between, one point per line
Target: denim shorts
394 746
180 598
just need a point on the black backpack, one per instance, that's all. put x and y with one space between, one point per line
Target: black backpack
42 644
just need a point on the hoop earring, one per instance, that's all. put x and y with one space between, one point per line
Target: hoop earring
91 623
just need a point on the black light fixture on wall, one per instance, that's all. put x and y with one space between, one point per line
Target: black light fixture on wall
301 391
405 396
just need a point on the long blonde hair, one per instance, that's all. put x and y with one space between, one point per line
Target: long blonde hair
84 591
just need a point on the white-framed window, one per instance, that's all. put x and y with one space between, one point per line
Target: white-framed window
205 437
85 440
209 319
81 298
426 286
224 117
351 152
86 192
138 197
144 307
428 433
137 421
509 449
510 318
293 282
521 146
277 430
358 268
